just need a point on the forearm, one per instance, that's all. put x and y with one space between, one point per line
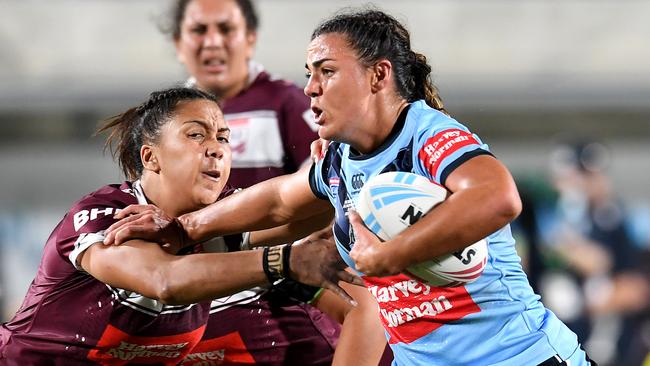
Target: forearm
265 205
255 208
291 231
453 225
145 268
199 277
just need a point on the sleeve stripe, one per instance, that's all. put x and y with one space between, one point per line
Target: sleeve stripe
456 163
84 242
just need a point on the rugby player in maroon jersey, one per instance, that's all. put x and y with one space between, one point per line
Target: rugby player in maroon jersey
137 303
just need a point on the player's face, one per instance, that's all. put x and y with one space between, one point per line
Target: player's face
215 46
339 87
194 154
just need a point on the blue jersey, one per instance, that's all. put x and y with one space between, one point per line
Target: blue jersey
496 320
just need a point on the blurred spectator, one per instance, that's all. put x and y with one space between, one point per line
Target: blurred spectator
270 119
586 266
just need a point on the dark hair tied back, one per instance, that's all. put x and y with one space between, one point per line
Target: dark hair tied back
375 35
142 124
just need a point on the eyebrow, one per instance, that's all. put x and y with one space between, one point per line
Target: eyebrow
317 63
207 126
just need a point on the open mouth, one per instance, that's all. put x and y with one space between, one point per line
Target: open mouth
212 174
214 64
318 113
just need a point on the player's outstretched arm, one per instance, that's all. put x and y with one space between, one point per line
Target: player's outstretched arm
144 267
268 204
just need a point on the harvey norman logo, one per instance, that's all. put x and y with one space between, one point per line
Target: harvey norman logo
442 145
411 309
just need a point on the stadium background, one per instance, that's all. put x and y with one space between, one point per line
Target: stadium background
519 73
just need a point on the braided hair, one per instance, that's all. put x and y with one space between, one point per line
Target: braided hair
142 124
375 35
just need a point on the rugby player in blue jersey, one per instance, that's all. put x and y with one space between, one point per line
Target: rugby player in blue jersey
372 96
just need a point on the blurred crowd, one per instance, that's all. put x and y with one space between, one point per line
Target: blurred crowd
582 256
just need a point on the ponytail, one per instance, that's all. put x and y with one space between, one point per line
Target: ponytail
422 85
124 141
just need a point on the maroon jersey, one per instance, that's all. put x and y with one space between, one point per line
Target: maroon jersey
271 129
268 331
68 317
264 325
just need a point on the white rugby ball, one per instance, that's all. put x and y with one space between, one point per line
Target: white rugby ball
390 202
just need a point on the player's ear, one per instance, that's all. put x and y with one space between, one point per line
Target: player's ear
149 158
251 40
381 75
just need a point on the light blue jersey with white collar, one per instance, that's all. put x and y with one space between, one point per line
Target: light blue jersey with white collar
496 320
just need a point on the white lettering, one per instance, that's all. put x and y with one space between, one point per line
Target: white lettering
211 355
80 219
433 157
404 288
129 351
398 317
95 212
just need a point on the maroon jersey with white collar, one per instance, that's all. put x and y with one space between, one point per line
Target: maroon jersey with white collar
68 317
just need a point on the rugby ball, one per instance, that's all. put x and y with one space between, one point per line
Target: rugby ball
390 202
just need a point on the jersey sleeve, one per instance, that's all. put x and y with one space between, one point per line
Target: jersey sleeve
318 179
299 128
84 225
443 146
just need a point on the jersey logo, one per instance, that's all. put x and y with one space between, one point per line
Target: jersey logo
116 347
442 145
334 183
82 217
238 135
255 139
357 181
410 309
225 350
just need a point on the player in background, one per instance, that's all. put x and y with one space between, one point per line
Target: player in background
372 95
272 126
137 303
271 131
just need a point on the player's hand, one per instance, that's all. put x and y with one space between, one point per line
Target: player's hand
318 263
318 149
146 222
368 251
